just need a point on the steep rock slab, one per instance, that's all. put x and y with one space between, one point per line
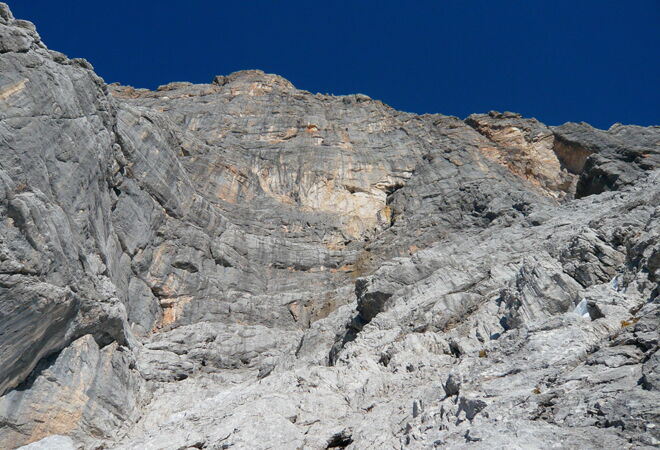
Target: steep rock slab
58 247
92 393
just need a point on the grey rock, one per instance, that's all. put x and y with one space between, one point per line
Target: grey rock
245 264
612 159
53 442
93 392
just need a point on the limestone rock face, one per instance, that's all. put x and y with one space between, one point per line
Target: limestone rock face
245 264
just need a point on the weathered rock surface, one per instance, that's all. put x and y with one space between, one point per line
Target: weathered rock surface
244 264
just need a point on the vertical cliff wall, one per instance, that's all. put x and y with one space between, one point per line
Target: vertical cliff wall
245 264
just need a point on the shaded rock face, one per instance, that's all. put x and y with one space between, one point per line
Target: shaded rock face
244 264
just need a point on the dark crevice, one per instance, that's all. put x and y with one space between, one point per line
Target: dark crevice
594 311
455 350
103 339
300 344
353 328
391 189
594 180
340 440
354 189
19 51
222 261
185 265
44 364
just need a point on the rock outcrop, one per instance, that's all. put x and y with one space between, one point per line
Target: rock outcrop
245 264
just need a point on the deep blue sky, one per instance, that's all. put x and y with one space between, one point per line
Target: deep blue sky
594 61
